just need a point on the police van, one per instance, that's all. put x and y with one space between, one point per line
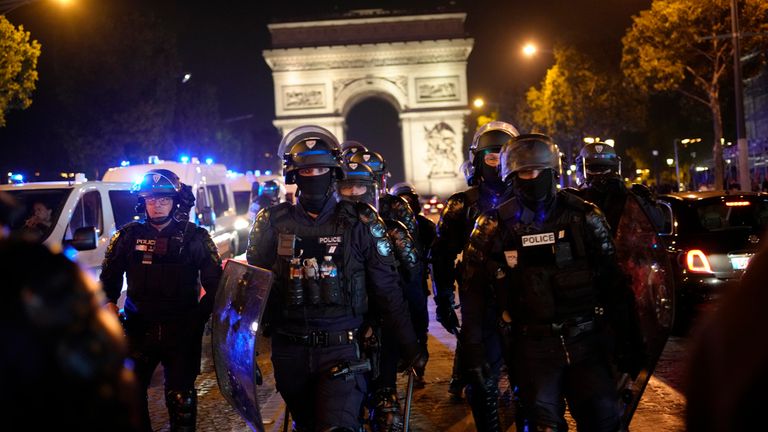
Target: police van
214 200
80 215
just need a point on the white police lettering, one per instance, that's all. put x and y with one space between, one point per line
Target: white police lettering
145 245
538 239
332 243
329 240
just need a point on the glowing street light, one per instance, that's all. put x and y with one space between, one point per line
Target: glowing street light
7 6
478 103
529 49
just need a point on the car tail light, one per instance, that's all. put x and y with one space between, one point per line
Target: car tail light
697 262
737 203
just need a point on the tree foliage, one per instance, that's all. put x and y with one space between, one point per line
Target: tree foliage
18 67
683 45
577 98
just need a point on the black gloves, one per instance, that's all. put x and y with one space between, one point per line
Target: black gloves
414 356
445 314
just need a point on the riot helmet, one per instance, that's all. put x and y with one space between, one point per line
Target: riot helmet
162 185
406 191
489 138
269 192
597 161
359 184
349 147
310 147
376 163
531 153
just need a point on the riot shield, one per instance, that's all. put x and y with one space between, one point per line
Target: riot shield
642 255
237 311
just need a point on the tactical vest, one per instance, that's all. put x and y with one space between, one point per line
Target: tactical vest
550 277
162 280
318 277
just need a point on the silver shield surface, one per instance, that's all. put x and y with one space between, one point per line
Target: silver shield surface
236 319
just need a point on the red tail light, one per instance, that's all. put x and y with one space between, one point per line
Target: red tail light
697 262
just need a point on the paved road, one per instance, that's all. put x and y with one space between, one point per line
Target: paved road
661 409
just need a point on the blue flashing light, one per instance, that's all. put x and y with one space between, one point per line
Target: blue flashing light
267 172
184 159
208 161
17 177
124 163
257 173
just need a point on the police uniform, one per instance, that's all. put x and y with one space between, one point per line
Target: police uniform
164 320
557 287
313 314
452 233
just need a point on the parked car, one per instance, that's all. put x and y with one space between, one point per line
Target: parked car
713 236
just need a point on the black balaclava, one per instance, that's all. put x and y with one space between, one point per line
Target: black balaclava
314 191
490 174
537 191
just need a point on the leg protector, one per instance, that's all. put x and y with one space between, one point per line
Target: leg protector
385 414
484 401
182 409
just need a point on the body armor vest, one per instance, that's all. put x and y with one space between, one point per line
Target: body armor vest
162 280
318 277
550 276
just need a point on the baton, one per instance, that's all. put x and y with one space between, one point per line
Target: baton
408 398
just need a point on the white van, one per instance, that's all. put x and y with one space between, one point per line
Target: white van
80 214
214 201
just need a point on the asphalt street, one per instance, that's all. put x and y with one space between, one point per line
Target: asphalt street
661 408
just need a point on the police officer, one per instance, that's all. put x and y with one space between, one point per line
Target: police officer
598 169
426 232
264 195
360 185
395 208
349 148
552 262
329 259
162 259
453 229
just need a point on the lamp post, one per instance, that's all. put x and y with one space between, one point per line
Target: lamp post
683 141
741 138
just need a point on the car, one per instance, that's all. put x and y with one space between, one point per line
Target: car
711 236
432 204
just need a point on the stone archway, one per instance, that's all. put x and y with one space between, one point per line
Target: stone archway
321 69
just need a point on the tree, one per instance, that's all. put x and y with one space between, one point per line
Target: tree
684 46
18 68
578 98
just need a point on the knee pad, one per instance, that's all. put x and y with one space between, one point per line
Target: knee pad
182 409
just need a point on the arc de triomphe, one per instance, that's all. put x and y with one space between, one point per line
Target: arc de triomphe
322 69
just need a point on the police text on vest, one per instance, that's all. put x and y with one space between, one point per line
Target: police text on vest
538 239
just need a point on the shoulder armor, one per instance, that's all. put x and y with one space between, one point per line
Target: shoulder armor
486 229
371 219
574 201
455 204
397 208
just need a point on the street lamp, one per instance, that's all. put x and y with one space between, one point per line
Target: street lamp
479 103
683 141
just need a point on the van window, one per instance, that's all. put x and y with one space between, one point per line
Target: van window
87 213
218 199
242 201
50 200
124 207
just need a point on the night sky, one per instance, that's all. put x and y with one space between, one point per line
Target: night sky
220 43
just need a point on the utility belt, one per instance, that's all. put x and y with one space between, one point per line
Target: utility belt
320 338
570 327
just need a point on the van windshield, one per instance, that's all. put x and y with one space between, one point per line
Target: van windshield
42 208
